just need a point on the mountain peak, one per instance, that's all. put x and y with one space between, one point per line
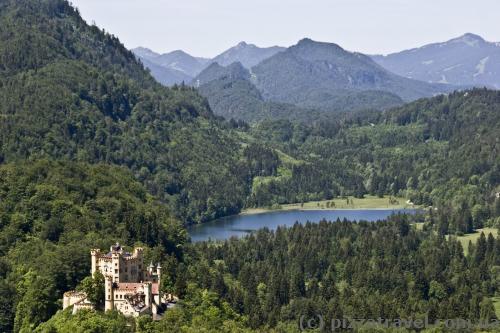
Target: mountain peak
145 52
177 53
304 41
472 36
469 39
248 55
466 60
307 45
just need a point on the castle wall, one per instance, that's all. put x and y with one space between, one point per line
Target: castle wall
70 298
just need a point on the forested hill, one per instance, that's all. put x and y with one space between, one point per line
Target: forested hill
76 93
311 69
72 91
39 33
308 76
442 151
51 214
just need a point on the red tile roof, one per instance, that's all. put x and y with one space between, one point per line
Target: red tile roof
134 286
128 286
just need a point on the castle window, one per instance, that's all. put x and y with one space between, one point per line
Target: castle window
116 271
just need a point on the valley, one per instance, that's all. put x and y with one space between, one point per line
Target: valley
97 149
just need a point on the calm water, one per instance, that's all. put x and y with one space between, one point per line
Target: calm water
241 225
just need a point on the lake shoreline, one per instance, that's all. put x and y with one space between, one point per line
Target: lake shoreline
368 203
256 211
243 224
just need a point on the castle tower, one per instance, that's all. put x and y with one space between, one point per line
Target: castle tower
148 294
139 263
138 251
158 272
94 253
109 294
150 271
115 262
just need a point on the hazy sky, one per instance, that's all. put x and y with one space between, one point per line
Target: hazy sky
208 27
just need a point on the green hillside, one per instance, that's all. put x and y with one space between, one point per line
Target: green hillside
313 73
232 93
441 151
51 214
69 90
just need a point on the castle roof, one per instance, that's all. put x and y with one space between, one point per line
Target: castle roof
124 254
133 287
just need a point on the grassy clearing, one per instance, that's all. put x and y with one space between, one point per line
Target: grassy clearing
464 240
368 202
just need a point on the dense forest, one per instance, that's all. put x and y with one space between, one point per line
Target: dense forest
76 93
51 214
68 90
267 281
94 151
442 151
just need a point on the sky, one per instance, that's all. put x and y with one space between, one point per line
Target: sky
208 27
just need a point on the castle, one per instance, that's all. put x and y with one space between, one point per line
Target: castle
130 287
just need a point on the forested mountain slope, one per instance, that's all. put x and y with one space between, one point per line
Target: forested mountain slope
51 214
442 151
309 72
79 94
69 90
232 95
308 76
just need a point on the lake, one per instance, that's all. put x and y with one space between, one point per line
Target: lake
241 225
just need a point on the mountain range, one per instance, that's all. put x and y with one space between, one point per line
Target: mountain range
467 60
178 66
323 76
248 55
308 76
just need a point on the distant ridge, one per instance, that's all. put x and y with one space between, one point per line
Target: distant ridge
468 60
311 73
248 55
308 76
179 66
